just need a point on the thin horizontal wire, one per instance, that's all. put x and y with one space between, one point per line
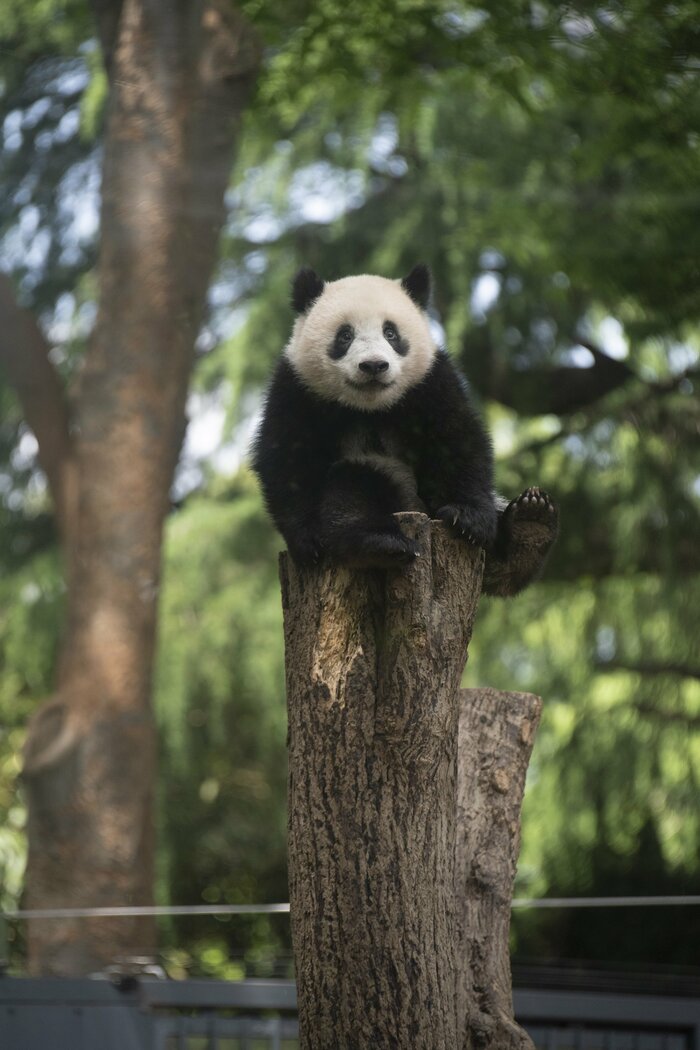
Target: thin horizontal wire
603 902
134 911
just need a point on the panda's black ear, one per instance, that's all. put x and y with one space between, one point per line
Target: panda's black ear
418 285
306 288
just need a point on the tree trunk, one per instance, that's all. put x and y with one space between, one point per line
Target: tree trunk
179 76
374 662
496 734
404 805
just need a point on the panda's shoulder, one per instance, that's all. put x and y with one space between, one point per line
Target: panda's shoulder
289 398
444 382
286 388
444 369
285 377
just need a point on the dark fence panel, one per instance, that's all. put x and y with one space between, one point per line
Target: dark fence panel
560 1020
148 1014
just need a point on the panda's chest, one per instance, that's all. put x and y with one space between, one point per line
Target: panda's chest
378 447
369 439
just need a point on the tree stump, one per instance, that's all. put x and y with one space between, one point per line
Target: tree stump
374 661
496 734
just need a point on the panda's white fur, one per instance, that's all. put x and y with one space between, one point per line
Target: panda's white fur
365 302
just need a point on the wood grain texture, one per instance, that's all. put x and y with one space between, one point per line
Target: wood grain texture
374 661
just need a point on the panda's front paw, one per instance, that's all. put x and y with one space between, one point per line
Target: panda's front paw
306 550
476 525
384 550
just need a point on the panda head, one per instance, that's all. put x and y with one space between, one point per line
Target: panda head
361 341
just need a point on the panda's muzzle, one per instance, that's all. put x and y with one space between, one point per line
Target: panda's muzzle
374 368
372 376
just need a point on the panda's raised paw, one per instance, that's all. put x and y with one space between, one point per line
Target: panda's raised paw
477 525
534 504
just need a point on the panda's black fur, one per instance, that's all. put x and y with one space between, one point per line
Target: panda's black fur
334 474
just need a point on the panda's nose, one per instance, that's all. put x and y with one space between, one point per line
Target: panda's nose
373 368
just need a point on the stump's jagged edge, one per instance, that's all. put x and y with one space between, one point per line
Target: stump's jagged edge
374 660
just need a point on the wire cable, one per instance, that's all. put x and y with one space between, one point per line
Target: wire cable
133 911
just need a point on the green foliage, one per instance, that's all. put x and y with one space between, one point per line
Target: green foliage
30 614
355 49
32 28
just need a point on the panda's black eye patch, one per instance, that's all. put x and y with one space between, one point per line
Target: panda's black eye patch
394 338
341 342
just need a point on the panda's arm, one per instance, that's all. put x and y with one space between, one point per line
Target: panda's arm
289 458
454 458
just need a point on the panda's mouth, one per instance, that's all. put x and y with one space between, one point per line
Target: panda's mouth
373 385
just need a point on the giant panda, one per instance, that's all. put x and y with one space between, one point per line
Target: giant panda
365 417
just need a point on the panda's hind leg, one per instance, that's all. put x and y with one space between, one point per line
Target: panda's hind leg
527 529
357 524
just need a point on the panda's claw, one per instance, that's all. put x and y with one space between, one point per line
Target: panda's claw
475 524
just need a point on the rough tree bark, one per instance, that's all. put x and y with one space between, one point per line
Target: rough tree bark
392 898
496 735
179 77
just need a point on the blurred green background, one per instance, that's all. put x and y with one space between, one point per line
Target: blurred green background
544 160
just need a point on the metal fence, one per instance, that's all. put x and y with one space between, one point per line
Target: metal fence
150 1014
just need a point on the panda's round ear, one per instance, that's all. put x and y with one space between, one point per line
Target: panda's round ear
418 285
306 288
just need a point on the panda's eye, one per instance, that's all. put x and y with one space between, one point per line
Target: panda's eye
394 338
341 341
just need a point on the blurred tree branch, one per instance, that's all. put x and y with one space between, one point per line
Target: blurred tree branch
652 710
651 391
650 668
547 390
107 14
24 354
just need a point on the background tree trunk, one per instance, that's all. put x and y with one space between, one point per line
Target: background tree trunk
496 735
179 76
373 668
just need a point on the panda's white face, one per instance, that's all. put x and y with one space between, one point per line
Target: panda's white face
362 343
